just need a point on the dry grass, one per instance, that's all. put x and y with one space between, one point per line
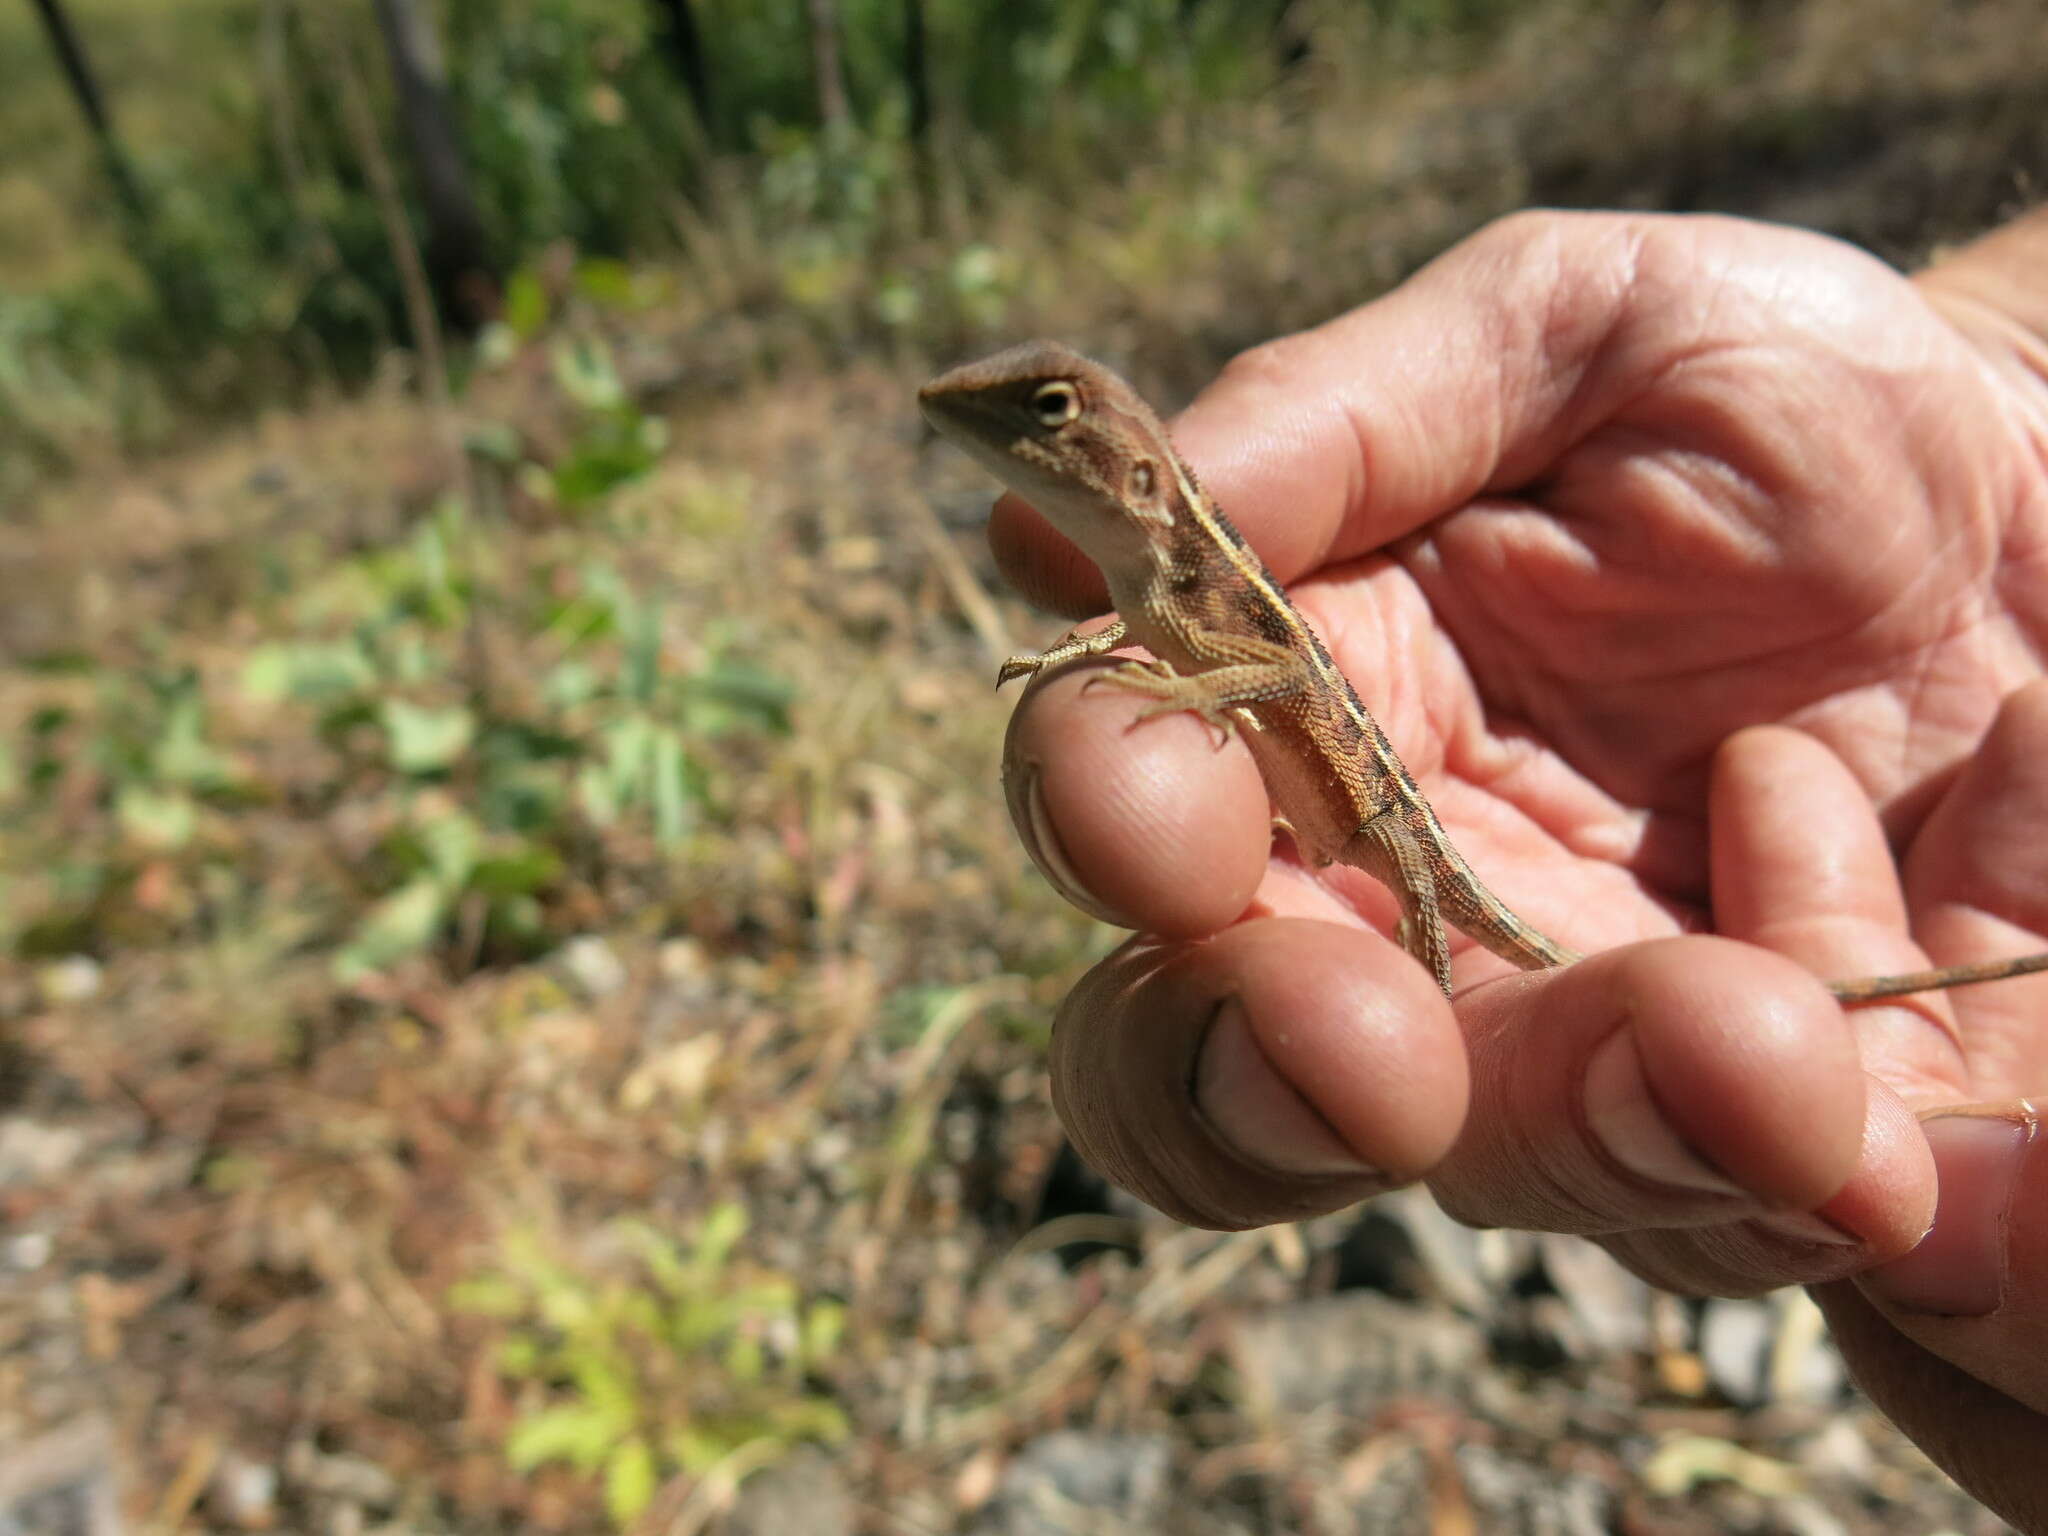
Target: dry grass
827 999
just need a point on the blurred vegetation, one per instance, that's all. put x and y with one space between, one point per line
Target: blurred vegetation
680 1372
264 274
577 130
506 884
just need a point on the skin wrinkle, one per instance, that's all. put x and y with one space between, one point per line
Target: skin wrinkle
1952 654
1909 683
1715 486
1571 289
1702 419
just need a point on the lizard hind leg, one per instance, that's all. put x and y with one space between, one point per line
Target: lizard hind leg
1385 849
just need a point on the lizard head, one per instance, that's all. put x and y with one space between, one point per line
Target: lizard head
1071 438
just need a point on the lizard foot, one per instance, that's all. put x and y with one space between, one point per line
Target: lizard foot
1018 666
1171 693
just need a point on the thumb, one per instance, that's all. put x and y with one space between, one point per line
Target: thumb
1952 1340
1471 376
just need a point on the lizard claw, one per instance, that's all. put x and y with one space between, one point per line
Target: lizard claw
1224 725
1018 666
1170 693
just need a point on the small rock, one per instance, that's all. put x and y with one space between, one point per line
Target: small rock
1735 1343
1348 1353
1467 1267
803 1492
73 979
1838 1450
339 1475
1805 1366
1610 1305
683 963
1059 1479
592 967
64 1479
244 1492
1805 1517
1510 1495
31 1152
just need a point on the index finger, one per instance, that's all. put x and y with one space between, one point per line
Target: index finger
1333 441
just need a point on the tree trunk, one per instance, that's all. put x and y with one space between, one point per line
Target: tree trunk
85 91
684 45
917 76
458 258
830 78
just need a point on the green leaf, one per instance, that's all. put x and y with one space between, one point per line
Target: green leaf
426 740
584 372
402 924
182 754
734 693
773 1296
607 280
605 458
496 345
452 843
565 1302
519 1355
578 1433
532 868
630 1478
570 683
598 794
745 1360
157 820
663 1260
823 1326
315 671
670 769
810 1418
640 632
724 1225
606 1380
488 1296
700 1449
497 442
526 303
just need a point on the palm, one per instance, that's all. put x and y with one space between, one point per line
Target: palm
1779 492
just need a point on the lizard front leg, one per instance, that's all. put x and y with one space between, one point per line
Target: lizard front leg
1252 671
1071 647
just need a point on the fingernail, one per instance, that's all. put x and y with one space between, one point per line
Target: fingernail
1807 1227
1959 1268
1625 1120
1255 1112
1022 787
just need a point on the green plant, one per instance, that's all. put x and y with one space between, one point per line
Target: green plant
686 1359
500 787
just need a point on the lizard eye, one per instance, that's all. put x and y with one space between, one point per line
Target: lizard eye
1055 404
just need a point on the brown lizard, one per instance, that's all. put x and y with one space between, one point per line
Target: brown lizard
1082 447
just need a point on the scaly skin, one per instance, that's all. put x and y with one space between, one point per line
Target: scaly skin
1083 447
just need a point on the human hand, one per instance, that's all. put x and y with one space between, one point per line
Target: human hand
1573 507
1640 482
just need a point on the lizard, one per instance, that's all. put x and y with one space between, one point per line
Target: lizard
1081 445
